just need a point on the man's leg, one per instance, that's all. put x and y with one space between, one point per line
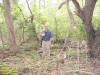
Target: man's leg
43 49
48 48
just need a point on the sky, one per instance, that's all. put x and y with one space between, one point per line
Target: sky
0 1
23 2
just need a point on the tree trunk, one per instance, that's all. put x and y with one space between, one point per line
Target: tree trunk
56 29
1 38
87 21
22 24
39 4
32 17
9 23
90 33
44 3
86 15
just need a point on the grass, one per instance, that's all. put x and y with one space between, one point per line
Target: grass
27 57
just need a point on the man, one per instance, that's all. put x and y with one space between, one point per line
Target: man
46 41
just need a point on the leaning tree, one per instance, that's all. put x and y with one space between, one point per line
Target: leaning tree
85 13
9 23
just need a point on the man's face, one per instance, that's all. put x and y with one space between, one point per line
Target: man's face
46 27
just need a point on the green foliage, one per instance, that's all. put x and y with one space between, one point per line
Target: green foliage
96 23
58 20
78 32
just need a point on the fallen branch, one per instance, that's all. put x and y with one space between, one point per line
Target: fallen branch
81 71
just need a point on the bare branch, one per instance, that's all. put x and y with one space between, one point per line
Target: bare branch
60 6
78 11
74 2
32 16
22 12
81 71
29 7
77 5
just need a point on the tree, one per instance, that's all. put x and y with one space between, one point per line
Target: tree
9 23
86 14
70 27
32 18
1 37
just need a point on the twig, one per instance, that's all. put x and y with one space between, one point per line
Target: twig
81 71
29 7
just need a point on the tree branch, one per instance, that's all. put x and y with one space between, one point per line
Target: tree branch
81 71
78 11
76 4
32 16
22 12
60 6
29 7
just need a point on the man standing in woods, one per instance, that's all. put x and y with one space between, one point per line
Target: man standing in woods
46 41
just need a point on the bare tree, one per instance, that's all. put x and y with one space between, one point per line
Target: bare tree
9 23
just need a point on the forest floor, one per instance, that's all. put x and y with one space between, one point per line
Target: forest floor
29 61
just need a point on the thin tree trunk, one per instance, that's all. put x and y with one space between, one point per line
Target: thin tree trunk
35 3
82 3
32 17
9 23
56 29
1 36
39 4
44 3
22 24
69 28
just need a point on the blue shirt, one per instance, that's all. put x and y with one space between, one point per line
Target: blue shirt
47 35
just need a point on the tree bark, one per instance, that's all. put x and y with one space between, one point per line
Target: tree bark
1 38
9 23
